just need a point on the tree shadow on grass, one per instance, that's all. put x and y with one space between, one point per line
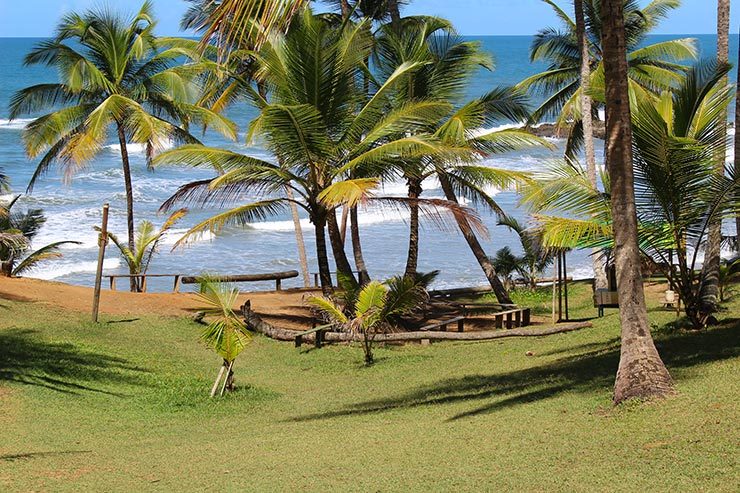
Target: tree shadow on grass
588 371
62 367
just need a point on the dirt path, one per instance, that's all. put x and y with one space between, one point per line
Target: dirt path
286 306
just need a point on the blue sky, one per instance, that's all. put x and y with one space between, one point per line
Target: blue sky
36 18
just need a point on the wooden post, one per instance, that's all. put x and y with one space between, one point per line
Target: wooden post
176 287
112 283
565 281
102 241
277 284
554 277
560 287
461 325
143 283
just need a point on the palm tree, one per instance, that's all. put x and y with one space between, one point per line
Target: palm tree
376 308
587 124
318 125
114 73
677 190
448 65
652 68
226 333
17 231
641 372
710 269
146 241
536 257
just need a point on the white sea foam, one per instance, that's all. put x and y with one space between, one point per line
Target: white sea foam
17 124
61 268
174 235
136 148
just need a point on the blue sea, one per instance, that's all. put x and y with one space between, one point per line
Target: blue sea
74 208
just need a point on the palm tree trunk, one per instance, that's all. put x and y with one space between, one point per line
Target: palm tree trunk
134 284
395 14
712 250
588 127
299 238
337 248
737 154
354 229
412 261
343 225
641 372
483 260
346 11
319 223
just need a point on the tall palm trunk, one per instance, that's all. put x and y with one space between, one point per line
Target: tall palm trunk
395 14
346 10
641 372
354 229
319 224
337 248
301 244
588 128
485 262
737 154
412 261
129 200
712 250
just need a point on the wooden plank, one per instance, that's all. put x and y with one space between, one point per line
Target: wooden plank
508 320
270 276
526 316
443 324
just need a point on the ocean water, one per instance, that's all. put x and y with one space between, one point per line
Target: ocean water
73 207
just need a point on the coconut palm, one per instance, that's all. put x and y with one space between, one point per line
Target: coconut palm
17 231
225 332
651 68
536 256
146 241
316 122
114 74
376 308
711 267
677 193
448 65
641 372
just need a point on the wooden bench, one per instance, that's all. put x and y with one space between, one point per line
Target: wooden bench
513 318
605 299
144 277
319 331
444 323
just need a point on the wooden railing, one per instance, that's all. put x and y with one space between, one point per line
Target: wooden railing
186 279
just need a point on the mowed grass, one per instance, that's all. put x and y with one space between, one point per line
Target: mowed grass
123 406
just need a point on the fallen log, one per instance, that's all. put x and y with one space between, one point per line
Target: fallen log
255 322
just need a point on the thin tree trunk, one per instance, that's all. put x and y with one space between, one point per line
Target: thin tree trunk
343 225
412 260
712 249
337 247
322 258
346 10
129 201
303 259
483 260
354 229
395 14
641 372
588 128
737 153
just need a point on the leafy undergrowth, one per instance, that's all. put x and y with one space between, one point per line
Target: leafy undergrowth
123 406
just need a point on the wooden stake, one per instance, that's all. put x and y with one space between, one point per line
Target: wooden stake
226 377
102 241
218 379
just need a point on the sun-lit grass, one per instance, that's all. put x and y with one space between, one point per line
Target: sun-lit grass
123 406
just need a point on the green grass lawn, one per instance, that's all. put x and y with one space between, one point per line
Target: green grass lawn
123 406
